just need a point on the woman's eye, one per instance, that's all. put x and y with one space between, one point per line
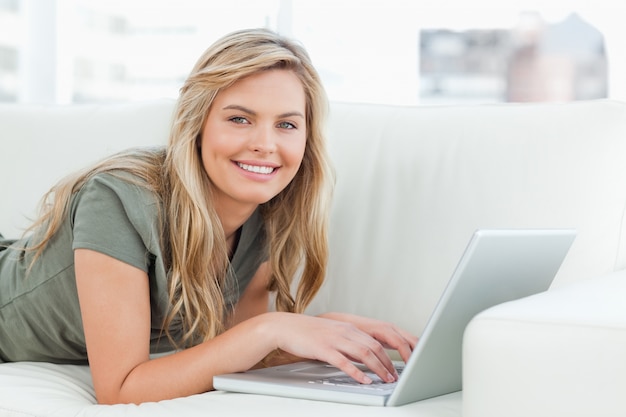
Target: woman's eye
286 125
239 120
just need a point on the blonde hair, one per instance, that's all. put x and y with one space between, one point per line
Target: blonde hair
197 256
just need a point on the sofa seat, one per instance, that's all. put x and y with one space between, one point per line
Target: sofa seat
41 389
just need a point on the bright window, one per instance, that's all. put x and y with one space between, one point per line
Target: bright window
392 51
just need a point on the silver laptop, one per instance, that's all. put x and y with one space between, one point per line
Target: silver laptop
497 266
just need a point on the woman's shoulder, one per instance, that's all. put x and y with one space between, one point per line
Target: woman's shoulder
135 170
126 185
117 203
123 192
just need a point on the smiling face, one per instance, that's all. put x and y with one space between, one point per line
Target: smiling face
254 138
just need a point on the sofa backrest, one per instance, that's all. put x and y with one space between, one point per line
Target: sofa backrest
40 144
413 183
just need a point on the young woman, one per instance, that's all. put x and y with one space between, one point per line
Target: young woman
179 248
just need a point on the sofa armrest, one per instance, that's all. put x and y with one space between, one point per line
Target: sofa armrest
562 352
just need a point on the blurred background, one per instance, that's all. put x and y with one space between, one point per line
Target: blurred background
382 51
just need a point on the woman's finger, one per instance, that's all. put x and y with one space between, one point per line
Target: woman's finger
372 354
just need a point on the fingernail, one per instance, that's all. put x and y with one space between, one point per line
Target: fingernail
367 380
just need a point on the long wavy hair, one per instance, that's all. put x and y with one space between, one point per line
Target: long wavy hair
195 246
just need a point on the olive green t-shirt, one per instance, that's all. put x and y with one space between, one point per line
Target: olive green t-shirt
39 312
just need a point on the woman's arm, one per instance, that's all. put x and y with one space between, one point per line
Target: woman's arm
255 298
254 301
115 307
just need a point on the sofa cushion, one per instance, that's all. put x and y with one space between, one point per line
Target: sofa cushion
43 143
38 389
413 183
559 353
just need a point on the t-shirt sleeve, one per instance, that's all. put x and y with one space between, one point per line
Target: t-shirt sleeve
101 223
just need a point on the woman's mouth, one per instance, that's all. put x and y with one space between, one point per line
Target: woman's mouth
257 169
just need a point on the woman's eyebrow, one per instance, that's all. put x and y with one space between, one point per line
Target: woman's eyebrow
240 108
253 113
291 114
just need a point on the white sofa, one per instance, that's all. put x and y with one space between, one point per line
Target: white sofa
413 183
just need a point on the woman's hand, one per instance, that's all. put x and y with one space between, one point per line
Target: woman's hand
341 340
386 333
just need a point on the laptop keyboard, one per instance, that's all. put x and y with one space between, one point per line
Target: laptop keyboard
346 381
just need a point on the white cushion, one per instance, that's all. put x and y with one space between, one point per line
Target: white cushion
413 183
42 144
36 390
560 353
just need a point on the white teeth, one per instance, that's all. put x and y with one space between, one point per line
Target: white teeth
256 169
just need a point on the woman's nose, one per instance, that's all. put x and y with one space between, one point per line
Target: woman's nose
263 140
